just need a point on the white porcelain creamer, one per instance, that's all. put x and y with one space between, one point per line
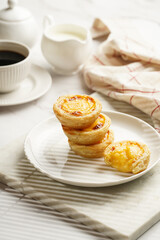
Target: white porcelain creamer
65 46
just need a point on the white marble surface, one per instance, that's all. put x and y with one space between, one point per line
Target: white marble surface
16 120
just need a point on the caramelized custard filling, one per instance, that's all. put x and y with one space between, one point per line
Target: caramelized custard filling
99 123
123 155
78 105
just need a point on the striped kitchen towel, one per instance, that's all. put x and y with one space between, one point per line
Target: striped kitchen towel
126 65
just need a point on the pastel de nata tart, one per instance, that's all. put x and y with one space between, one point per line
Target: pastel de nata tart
91 135
77 111
95 150
127 156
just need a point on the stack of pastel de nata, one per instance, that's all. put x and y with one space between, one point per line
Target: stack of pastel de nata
86 128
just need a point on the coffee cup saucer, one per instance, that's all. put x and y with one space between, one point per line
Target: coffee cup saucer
34 86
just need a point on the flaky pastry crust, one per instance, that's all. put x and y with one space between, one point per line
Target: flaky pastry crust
77 111
92 135
127 156
95 150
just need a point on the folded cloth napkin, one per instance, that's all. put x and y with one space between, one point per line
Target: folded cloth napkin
125 66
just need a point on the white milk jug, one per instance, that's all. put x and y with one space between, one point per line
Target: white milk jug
65 46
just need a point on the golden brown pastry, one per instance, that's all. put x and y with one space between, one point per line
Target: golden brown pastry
77 111
127 156
91 135
95 150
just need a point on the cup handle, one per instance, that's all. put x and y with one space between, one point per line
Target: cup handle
48 21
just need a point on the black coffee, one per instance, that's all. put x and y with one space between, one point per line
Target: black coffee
9 57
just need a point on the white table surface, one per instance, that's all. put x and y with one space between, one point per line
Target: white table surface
20 217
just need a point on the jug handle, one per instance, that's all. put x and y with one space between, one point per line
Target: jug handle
48 21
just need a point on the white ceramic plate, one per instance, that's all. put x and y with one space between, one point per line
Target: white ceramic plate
34 86
47 148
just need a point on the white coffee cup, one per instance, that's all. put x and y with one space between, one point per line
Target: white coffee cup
11 75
